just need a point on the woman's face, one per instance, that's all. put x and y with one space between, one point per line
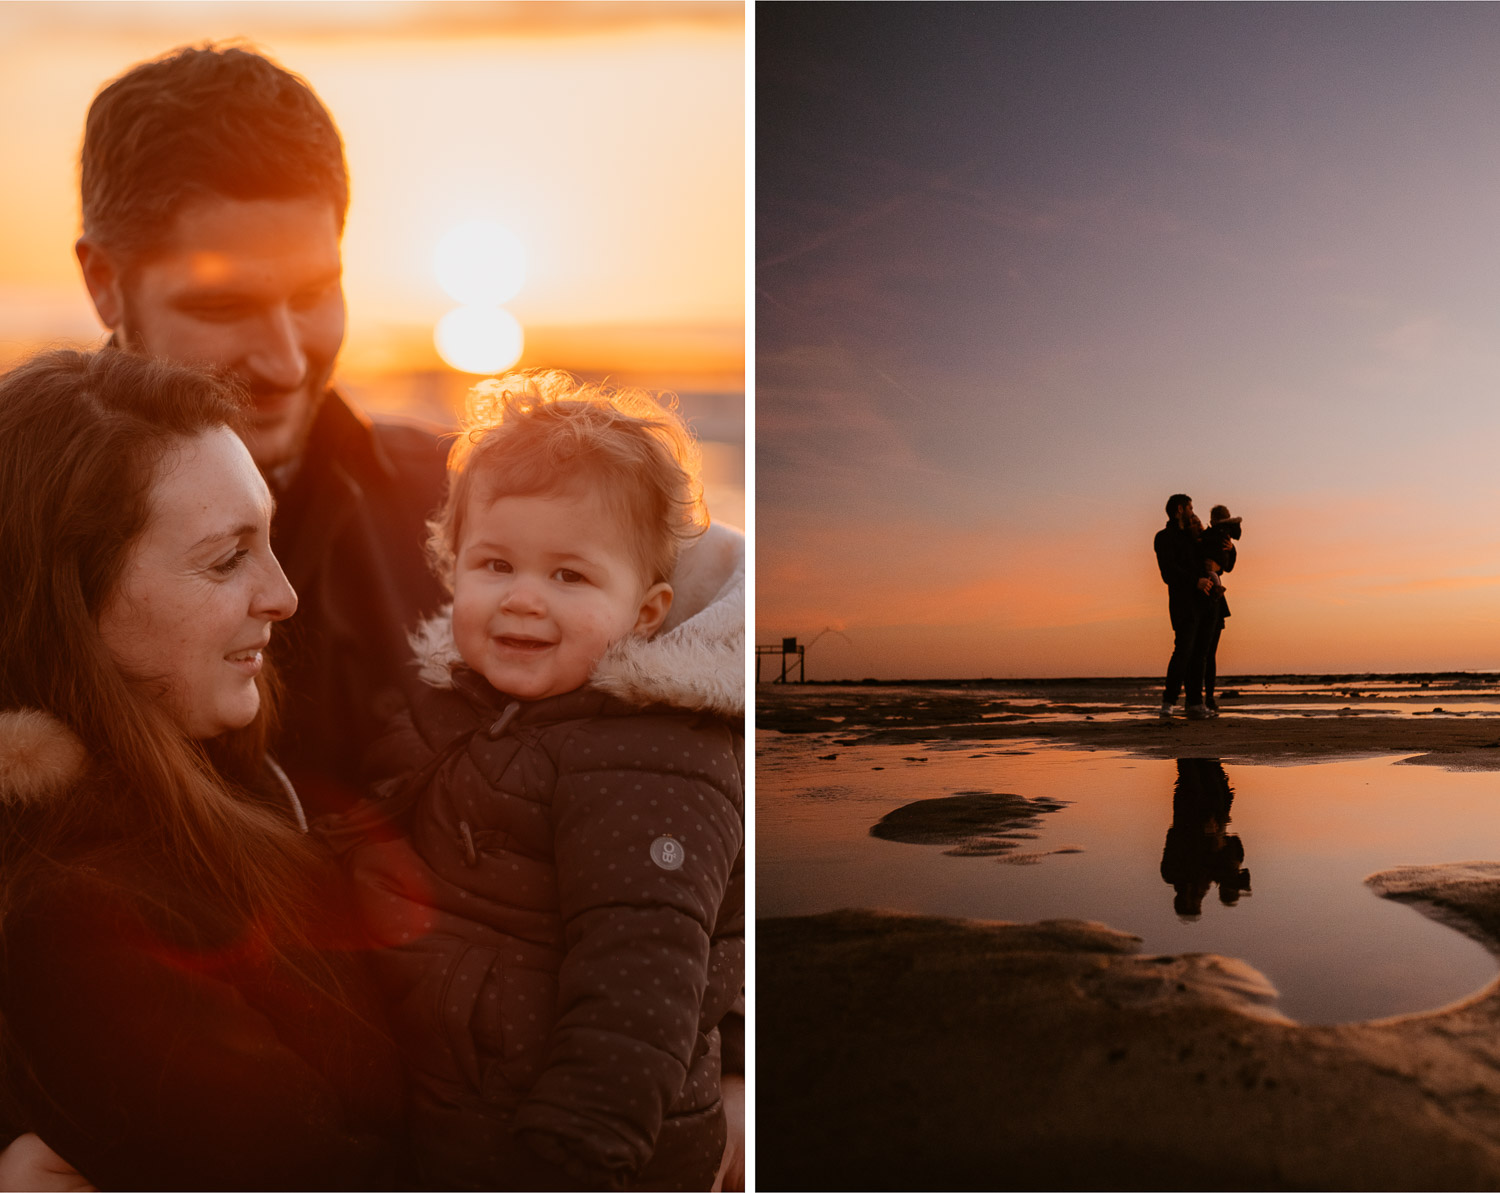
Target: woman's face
200 588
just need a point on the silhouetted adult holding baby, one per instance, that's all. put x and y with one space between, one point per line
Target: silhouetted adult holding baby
1180 561
1200 851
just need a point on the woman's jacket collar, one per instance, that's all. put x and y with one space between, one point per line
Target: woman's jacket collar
39 756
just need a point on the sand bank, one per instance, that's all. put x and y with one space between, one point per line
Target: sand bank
915 1052
1462 744
974 824
912 1052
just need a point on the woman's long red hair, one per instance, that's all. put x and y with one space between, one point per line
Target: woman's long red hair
82 437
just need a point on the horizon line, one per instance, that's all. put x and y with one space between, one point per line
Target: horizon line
1156 680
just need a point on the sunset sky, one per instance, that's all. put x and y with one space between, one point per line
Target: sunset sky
1023 271
608 138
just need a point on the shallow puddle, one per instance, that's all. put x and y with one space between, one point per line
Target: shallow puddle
1269 868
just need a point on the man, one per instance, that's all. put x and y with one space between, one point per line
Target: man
1180 562
214 195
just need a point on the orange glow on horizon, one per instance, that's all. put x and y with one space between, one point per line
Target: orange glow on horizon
921 601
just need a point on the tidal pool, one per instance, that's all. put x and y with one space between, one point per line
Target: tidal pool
1262 862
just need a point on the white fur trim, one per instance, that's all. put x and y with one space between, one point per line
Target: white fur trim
39 755
433 644
707 565
697 663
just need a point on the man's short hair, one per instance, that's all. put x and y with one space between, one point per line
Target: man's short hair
1176 502
202 121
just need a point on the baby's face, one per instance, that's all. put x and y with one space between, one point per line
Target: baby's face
543 586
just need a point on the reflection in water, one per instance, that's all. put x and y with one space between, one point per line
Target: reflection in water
1311 834
1200 851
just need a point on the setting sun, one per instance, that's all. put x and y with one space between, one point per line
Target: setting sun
479 339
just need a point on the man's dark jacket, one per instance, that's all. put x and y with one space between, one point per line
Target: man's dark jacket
1178 558
349 531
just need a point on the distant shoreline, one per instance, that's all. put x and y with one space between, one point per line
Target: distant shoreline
1487 677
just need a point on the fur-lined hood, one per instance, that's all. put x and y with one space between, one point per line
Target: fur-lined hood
697 662
39 756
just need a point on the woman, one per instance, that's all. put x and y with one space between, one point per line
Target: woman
1216 546
180 999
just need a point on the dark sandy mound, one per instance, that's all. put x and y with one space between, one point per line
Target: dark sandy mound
979 823
907 1052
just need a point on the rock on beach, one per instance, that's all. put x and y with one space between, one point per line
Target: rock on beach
972 823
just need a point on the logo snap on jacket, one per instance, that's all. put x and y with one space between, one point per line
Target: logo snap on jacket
667 853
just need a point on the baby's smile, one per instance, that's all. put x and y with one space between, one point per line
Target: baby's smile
517 642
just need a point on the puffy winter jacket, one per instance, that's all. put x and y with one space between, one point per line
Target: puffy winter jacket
561 887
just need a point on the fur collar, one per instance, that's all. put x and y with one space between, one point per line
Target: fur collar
697 663
39 756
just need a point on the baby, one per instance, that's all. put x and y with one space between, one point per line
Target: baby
559 880
1217 545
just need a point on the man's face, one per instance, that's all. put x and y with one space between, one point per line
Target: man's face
1185 514
251 286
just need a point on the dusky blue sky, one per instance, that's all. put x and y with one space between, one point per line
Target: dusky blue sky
1024 270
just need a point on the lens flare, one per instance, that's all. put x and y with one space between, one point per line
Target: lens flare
477 339
480 263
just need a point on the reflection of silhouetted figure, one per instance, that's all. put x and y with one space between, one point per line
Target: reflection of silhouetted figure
1200 851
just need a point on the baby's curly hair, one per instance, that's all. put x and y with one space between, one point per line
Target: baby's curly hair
538 432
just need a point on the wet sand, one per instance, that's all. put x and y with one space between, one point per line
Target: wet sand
908 1052
1252 727
901 1051
1465 744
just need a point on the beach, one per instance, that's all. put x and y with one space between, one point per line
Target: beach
1451 720
904 1049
